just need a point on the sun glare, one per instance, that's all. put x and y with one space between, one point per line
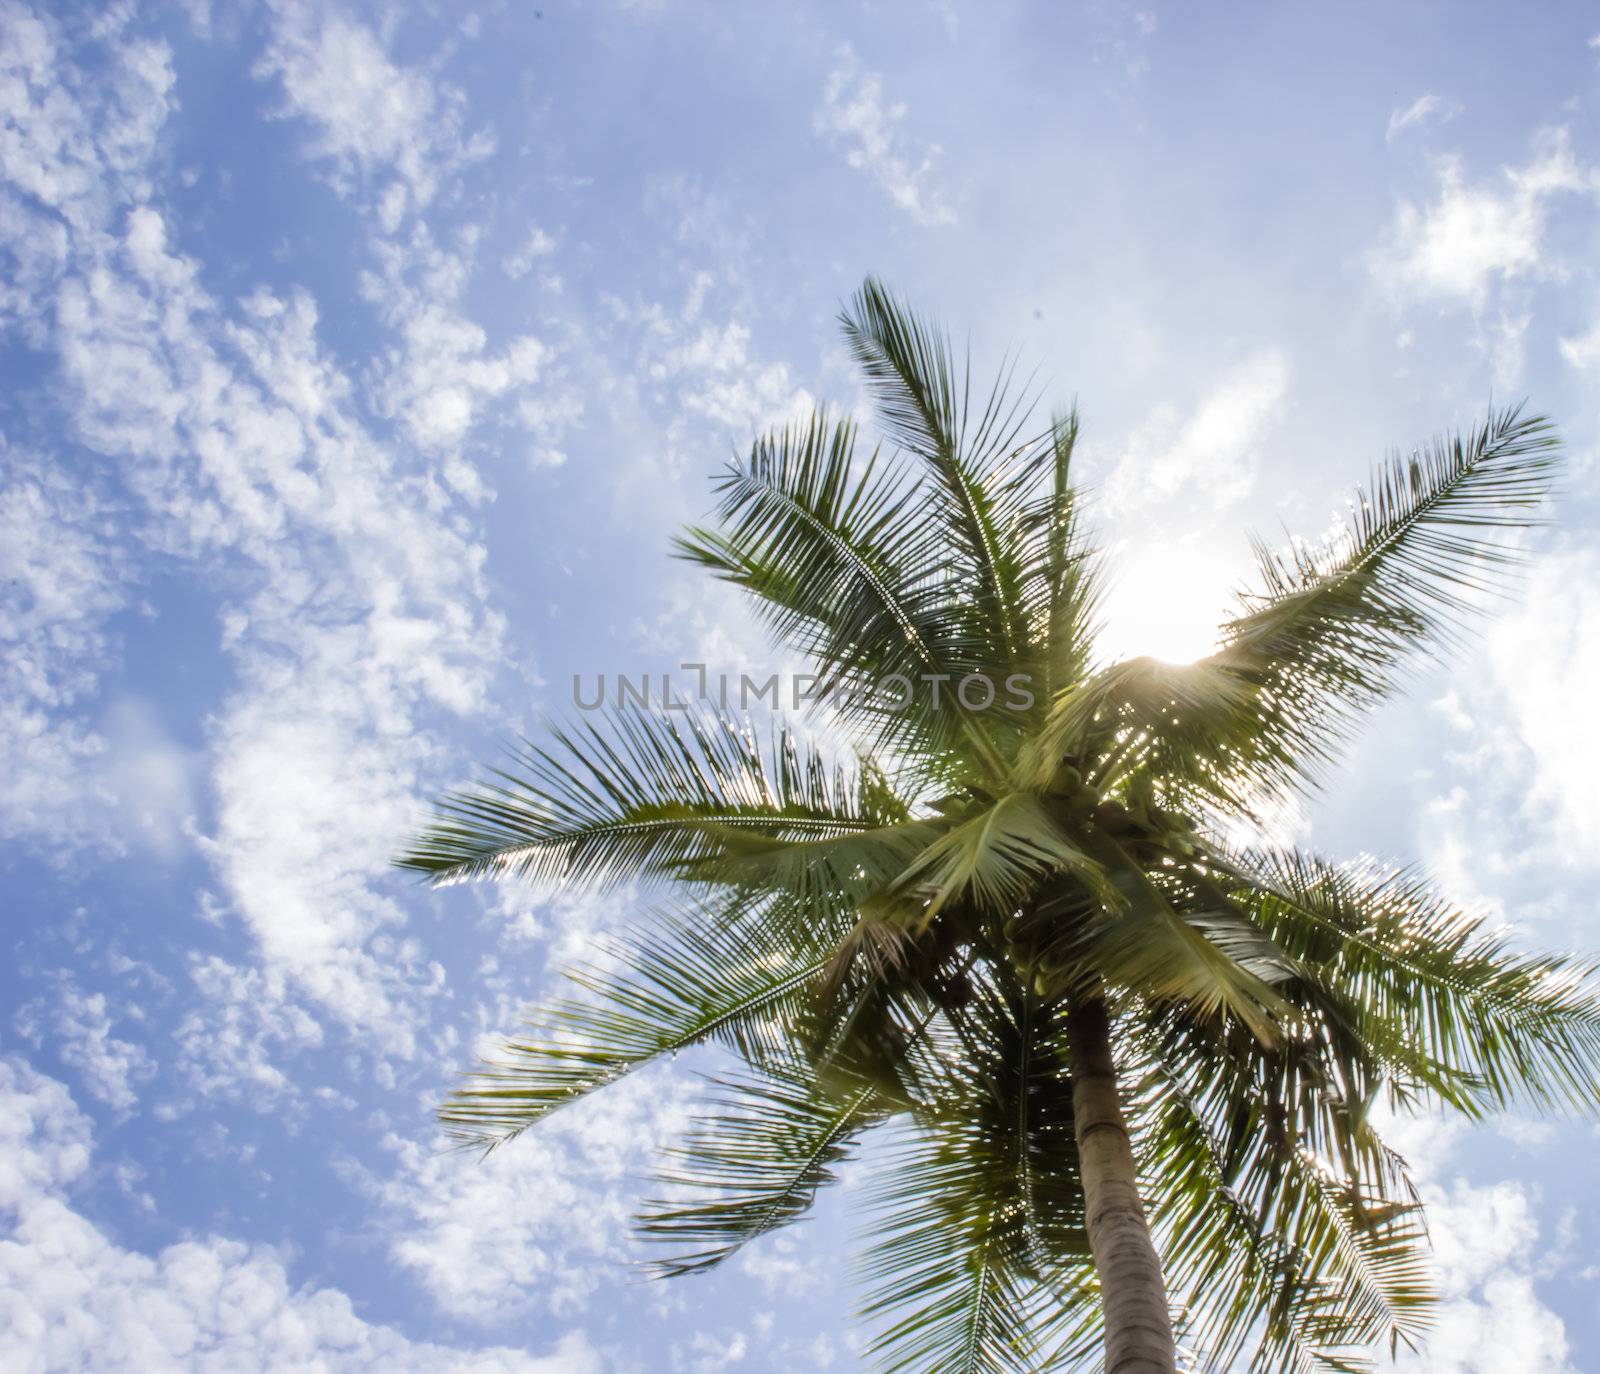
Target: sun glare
1167 604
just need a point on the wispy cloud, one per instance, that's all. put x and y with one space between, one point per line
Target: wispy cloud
1552 711
855 116
62 575
1424 109
1487 1245
1210 454
78 1025
1471 235
535 246
385 131
1480 244
530 1228
394 136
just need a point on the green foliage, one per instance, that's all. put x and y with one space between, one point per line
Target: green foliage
641 796
977 1242
897 943
757 1162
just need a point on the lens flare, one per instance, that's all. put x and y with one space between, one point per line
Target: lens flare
1168 603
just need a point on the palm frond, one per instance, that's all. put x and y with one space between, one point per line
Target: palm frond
1172 945
1061 577
922 397
997 854
1286 1225
1325 636
1429 542
639 796
1186 725
839 558
701 976
756 1162
857 864
980 1261
1506 1027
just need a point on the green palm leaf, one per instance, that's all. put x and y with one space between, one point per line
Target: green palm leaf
1267 1243
1429 541
1323 639
756 1163
640 797
839 560
922 398
737 978
994 856
1508 1028
978 1243
1060 579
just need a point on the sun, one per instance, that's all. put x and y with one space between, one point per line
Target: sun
1167 603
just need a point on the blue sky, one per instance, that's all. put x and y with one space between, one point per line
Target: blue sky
359 364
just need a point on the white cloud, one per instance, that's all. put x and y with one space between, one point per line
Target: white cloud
1459 855
227 1041
1484 1242
388 131
442 371
1486 1245
150 778
1583 350
72 776
1557 626
537 245
46 1138
1515 814
719 380
57 152
853 114
78 1027
1471 236
1209 455
1475 1335
784 1268
1420 111
708 1354
393 154
364 607
72 1299
351 577
61 578
1484 245
1118 37
704 379
541 1224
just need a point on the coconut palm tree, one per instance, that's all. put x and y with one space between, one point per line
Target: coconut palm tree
1128 1069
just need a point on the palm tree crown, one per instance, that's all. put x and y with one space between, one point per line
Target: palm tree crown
1128 1070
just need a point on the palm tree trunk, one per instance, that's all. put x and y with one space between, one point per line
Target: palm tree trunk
1133 1298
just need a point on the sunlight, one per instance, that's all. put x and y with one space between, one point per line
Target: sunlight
1167 603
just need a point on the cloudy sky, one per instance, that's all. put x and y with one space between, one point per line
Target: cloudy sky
359 363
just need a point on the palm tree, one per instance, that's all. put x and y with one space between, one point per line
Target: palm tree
1129 1069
